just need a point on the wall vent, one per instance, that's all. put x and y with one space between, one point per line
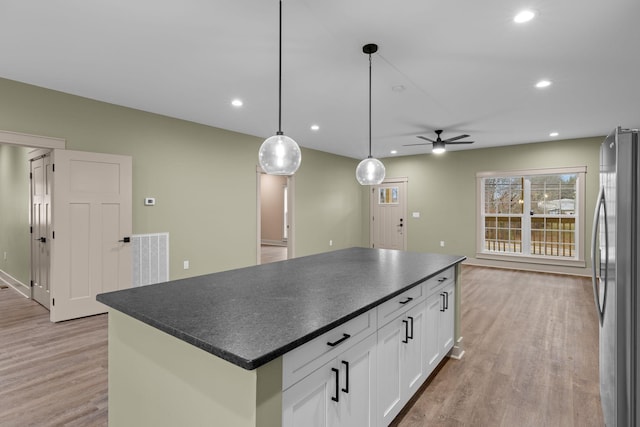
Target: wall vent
150 258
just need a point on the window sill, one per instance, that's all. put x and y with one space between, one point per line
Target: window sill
532 259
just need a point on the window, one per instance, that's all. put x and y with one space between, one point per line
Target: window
532 216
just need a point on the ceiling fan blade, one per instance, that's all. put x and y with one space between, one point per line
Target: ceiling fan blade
426 139
459 142
455 138
411 145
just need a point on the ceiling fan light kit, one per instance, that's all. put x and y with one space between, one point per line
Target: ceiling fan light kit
439 145
280 154
370 171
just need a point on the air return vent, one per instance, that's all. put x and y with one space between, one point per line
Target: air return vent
150 258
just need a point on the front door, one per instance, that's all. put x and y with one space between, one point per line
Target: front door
40 228
388 207
91 227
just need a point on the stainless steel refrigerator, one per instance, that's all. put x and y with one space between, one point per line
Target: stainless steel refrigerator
615 260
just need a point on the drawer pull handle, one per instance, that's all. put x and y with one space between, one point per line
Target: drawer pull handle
443 306
442 279
336 398
406 331
446 300
343 339
409 299
346 377
411 336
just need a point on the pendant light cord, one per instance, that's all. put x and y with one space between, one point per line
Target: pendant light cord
280 73
369 105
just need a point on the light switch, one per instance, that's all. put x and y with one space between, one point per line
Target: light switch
415 214
149 201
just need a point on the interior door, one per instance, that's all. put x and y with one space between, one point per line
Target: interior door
40 228
90 249
388 206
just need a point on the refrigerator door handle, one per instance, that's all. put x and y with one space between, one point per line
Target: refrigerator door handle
601 205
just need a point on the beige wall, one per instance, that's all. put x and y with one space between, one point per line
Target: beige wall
443 189
203 178
272 208
14 212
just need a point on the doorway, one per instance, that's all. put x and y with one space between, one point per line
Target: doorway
275 231
388 207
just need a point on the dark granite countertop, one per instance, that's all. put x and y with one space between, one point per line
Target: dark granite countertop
253 315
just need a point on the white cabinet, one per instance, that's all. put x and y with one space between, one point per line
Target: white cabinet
339 393
401 368
439 337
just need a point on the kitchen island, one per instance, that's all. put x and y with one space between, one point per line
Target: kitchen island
209 350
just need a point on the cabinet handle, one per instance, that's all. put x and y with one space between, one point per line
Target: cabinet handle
346 377
335 343
442 279
446 299
336 398
406 301
406 331
442 306
411 328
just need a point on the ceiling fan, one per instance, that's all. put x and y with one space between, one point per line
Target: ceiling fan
439 143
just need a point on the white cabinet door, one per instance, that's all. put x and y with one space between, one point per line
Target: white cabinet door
401 369
340 393
439 326
435 305
390 353
308 402
358 385
414 367
447 326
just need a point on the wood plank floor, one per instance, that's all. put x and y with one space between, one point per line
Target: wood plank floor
531 360
531 343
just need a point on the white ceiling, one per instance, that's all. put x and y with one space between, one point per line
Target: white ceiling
465 65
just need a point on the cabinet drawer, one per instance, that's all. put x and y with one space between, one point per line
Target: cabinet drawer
446 277
305 359
388 310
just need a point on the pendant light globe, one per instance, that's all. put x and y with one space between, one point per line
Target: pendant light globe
370 171
279 154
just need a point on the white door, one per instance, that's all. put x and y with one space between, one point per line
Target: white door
40 228
91 227
447 324
388 207
308 402
391 339
414 371
435 305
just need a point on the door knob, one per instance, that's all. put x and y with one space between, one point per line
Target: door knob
400 225
41 239
125 240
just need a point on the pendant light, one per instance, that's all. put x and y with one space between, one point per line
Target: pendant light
279 154
370 171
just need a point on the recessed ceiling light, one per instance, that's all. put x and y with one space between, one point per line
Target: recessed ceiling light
524 16
237 103
554 134
394 151
315 127
543 83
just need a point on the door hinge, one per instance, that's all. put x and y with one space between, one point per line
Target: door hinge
32 283
53 302
53 167
30 175
31 230
53 234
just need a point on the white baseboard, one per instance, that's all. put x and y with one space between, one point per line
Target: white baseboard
523 266
457 351
273 242
9 280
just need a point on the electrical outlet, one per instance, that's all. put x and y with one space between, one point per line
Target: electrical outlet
185 264
330 242
442 243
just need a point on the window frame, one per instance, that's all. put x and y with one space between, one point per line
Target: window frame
580 220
